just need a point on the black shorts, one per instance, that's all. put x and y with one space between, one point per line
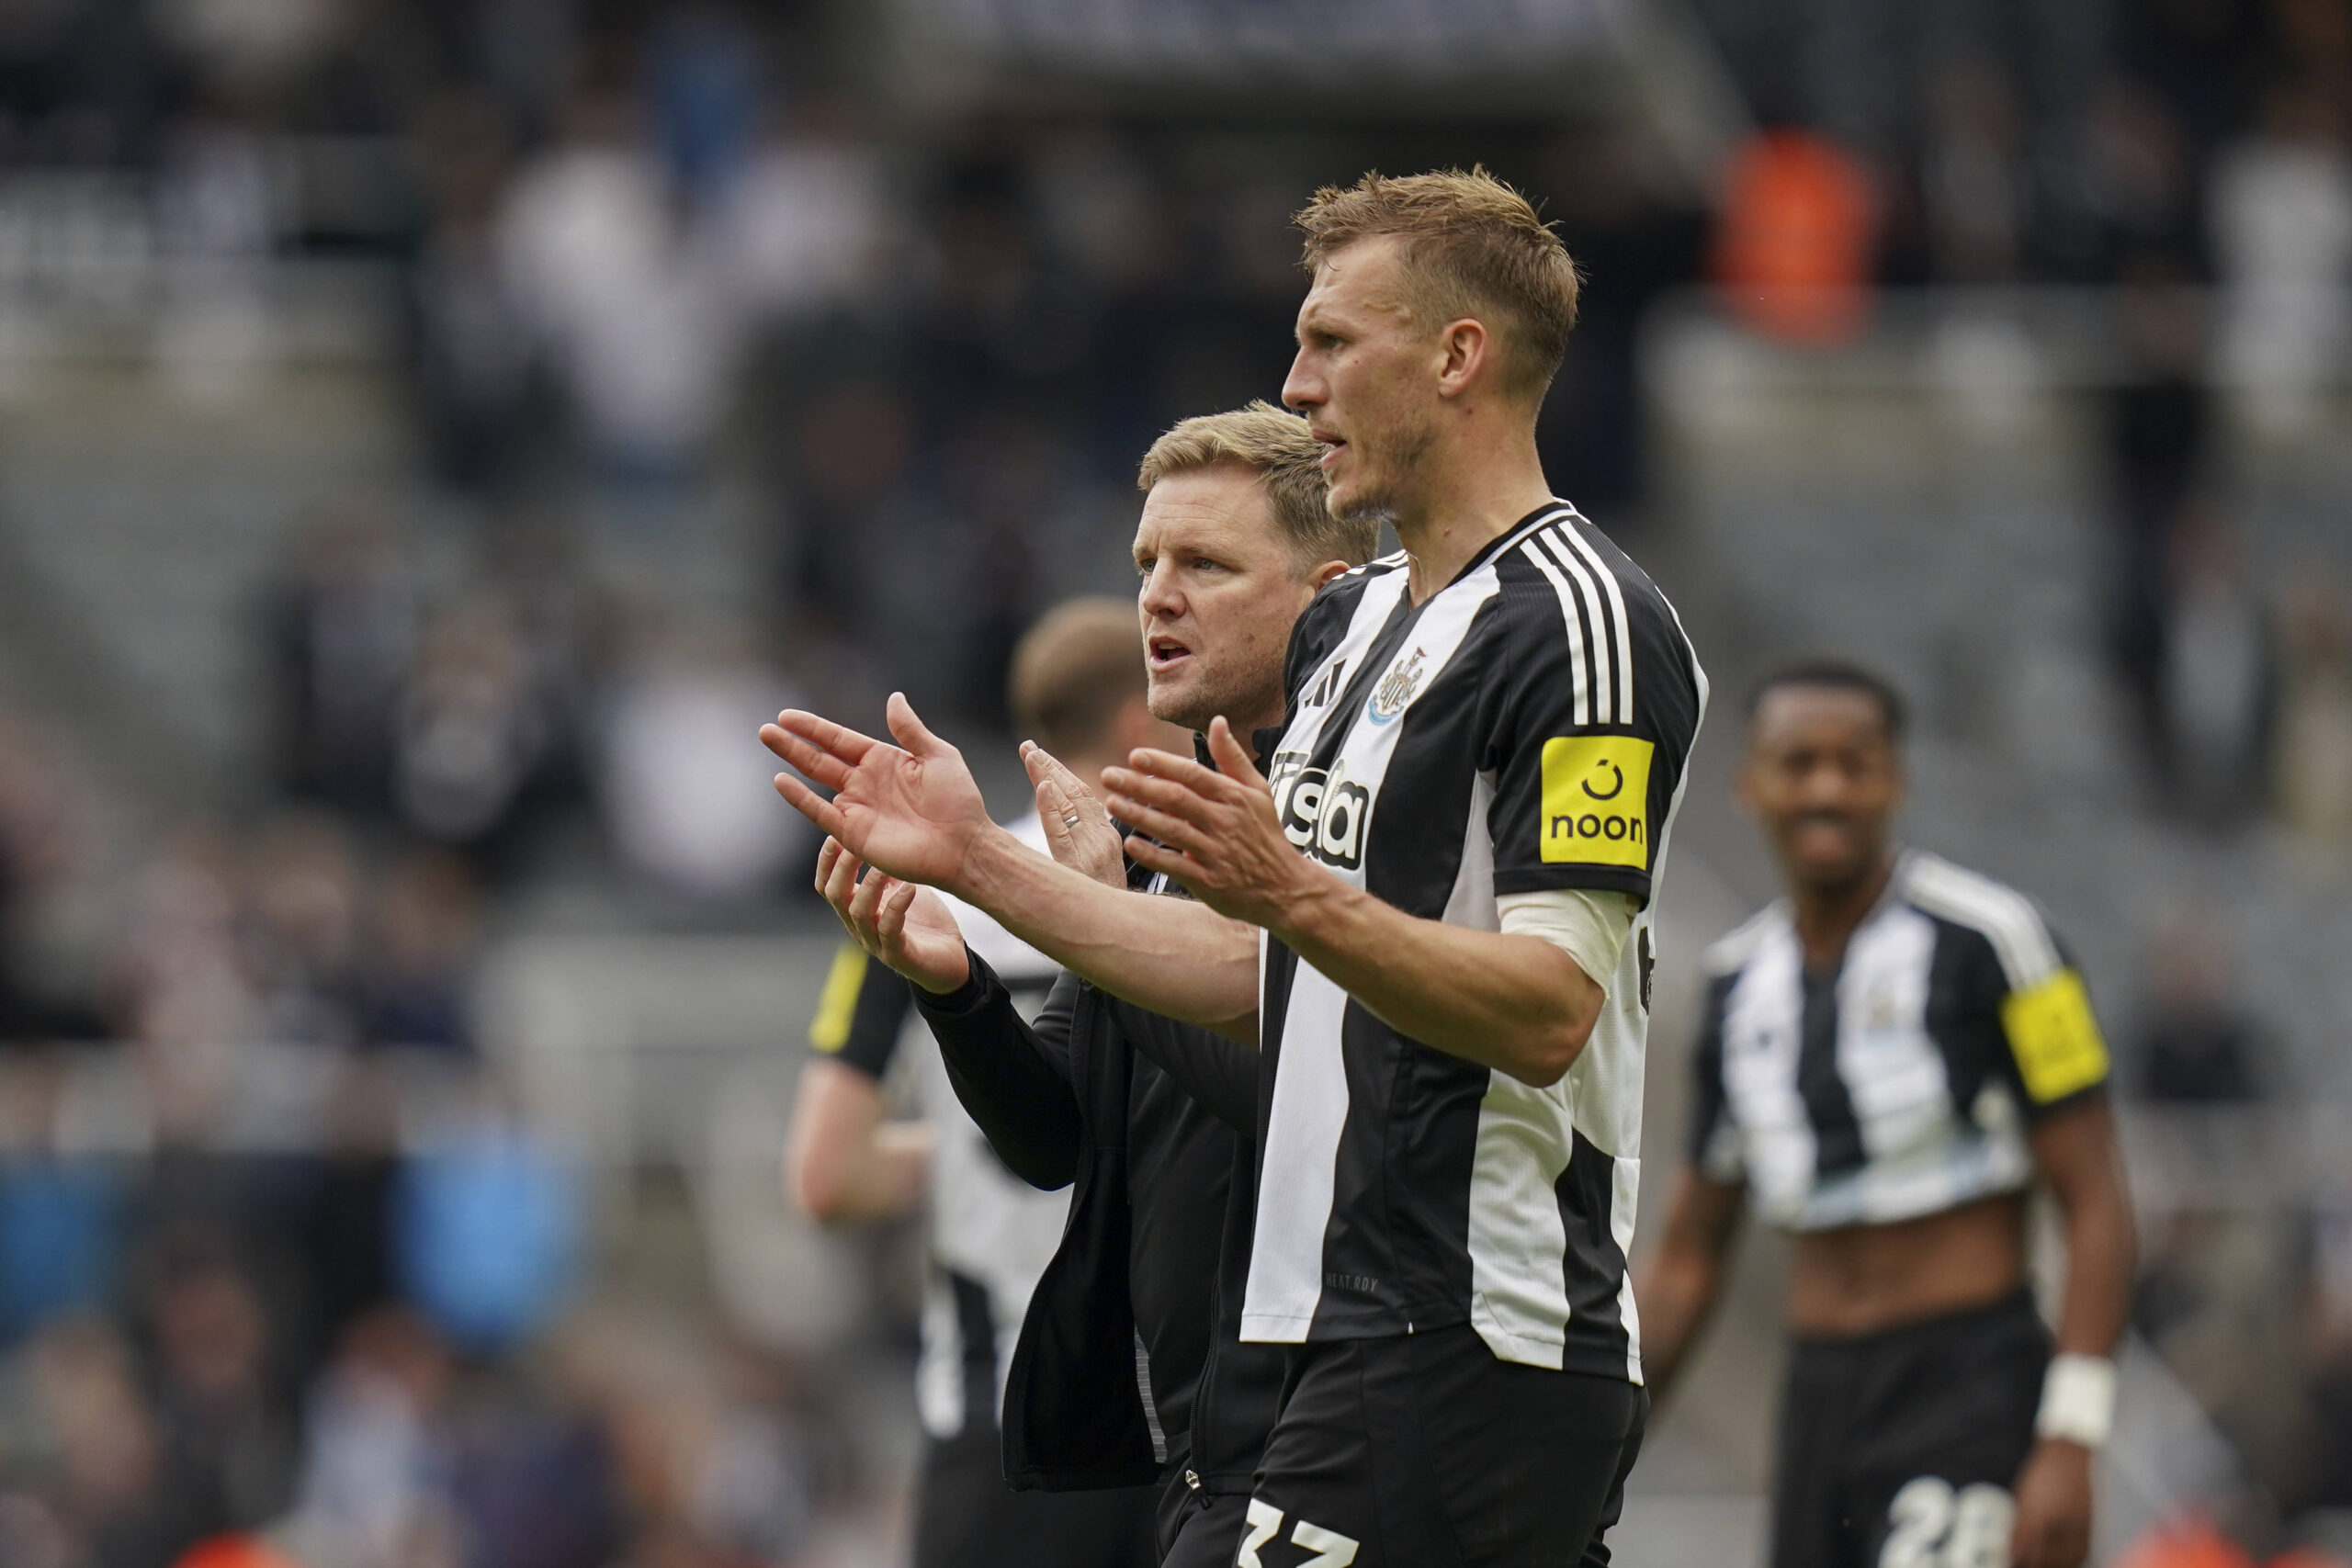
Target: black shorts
966 1516
1902 1446
1425 1451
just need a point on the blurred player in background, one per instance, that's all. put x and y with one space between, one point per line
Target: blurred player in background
1078 685
1891 1057
1154 1121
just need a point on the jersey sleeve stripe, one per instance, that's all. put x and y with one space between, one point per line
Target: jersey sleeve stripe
1604 681
1624 627
2008 920
1572 617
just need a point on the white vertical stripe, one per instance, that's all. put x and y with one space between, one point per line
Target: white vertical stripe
1572 617
1616 603
1518 1286
1625 1201
1604 699
1295 1181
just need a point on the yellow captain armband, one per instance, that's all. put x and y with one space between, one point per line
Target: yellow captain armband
2056 1037
837 1004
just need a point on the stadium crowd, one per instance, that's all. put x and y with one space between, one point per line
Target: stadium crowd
283 1250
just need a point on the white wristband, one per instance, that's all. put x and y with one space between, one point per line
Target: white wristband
2077 1399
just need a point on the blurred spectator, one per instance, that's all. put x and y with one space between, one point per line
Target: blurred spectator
2198 1048
425 934
2158 418
228 1442
1793 240
620 302
487 1231
1974 176
376 1474
301 950
2311 765
59 1217
2282 230
342 634
689 803
473 347
84 1456
2216 674
804 227
479 728
52 871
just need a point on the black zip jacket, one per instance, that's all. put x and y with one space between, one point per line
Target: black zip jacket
1130 1366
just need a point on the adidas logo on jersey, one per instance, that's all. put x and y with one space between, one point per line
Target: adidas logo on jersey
1322 814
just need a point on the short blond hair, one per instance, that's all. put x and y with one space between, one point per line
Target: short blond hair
1073 670
1289 464
1473 246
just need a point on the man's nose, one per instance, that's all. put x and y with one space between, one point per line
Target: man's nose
1302 389
1159 595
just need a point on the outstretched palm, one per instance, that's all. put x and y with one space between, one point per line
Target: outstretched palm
910 810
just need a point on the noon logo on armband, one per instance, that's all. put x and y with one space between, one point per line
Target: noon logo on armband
1321 813
1595 801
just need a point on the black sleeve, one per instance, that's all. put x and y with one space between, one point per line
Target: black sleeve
1220 1074
1583 780
860 1013
1714 1138
1013 1079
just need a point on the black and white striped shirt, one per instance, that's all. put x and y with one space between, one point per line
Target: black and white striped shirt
1901 1083
1522 729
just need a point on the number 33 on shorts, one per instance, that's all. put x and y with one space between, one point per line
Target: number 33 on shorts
1265 1521
1936 1526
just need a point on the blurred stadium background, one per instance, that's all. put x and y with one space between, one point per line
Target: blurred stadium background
432 434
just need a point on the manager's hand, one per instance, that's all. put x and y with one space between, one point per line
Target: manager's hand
907 927
1078 833
1217 831
911 809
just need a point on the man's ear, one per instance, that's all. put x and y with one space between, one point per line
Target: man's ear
1464 347
1324 573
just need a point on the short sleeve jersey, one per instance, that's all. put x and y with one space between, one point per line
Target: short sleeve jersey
991 1234
1903 1083
1525 728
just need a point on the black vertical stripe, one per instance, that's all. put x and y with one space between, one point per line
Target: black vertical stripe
1587 1191
1838 1132
975 1331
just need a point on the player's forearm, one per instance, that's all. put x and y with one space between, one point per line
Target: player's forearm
1675 1292
843 1161
1513 1003
1675 1296
2079 1159
1170 955
2101 1256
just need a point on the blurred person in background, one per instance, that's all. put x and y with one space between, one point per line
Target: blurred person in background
2311 765
1890 1058
1234 541
2200 1046
1078 685
688 809
2217 675
341 630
